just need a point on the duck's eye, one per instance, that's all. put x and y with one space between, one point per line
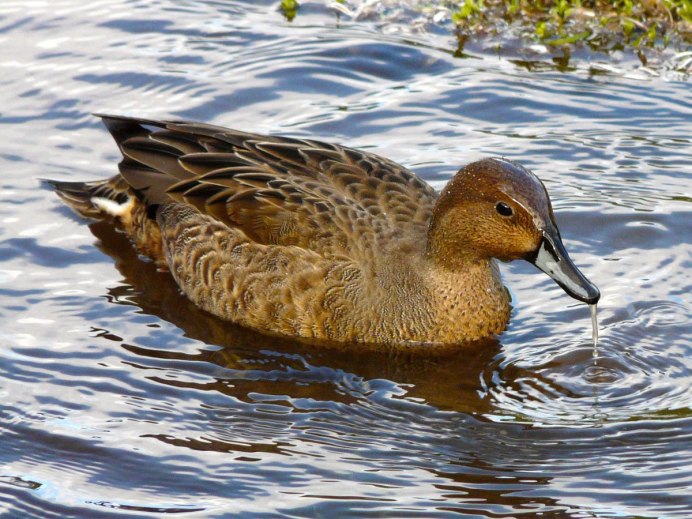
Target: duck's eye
503 209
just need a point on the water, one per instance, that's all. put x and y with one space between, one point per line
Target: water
119 397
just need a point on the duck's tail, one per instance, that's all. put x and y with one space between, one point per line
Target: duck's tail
113 198
98 199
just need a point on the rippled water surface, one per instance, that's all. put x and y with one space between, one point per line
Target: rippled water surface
117 396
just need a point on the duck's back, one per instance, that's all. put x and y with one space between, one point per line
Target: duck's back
333 200
290 236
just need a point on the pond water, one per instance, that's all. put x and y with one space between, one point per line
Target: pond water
118 397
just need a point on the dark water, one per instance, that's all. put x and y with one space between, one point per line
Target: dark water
119 397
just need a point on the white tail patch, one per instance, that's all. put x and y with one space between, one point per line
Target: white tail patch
122 211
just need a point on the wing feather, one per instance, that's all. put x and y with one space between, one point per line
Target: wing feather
330 199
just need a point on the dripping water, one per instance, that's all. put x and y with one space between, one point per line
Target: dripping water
594 329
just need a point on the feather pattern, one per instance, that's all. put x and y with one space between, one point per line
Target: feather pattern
334 200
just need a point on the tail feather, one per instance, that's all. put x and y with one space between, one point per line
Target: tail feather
137 178
123 128
133 196
146 163
87 198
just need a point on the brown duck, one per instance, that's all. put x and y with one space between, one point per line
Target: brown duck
313 240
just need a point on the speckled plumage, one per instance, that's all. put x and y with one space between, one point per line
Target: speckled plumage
314 240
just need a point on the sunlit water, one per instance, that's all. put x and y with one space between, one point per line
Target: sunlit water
118 396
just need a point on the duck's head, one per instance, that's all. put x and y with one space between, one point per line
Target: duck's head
496 208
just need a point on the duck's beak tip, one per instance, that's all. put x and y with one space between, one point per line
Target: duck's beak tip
592 296
552 258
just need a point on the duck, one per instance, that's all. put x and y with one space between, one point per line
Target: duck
317 241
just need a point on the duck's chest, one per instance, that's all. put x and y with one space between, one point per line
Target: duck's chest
423 305
469 305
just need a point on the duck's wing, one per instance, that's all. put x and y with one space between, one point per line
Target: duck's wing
327 198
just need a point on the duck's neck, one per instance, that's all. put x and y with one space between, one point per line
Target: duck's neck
446 245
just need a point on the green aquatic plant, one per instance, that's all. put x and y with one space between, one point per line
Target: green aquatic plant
602 24
468 10
289 9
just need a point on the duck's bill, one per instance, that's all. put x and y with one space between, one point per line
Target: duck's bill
552 258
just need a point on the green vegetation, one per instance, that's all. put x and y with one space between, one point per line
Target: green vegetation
289 8
601 24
